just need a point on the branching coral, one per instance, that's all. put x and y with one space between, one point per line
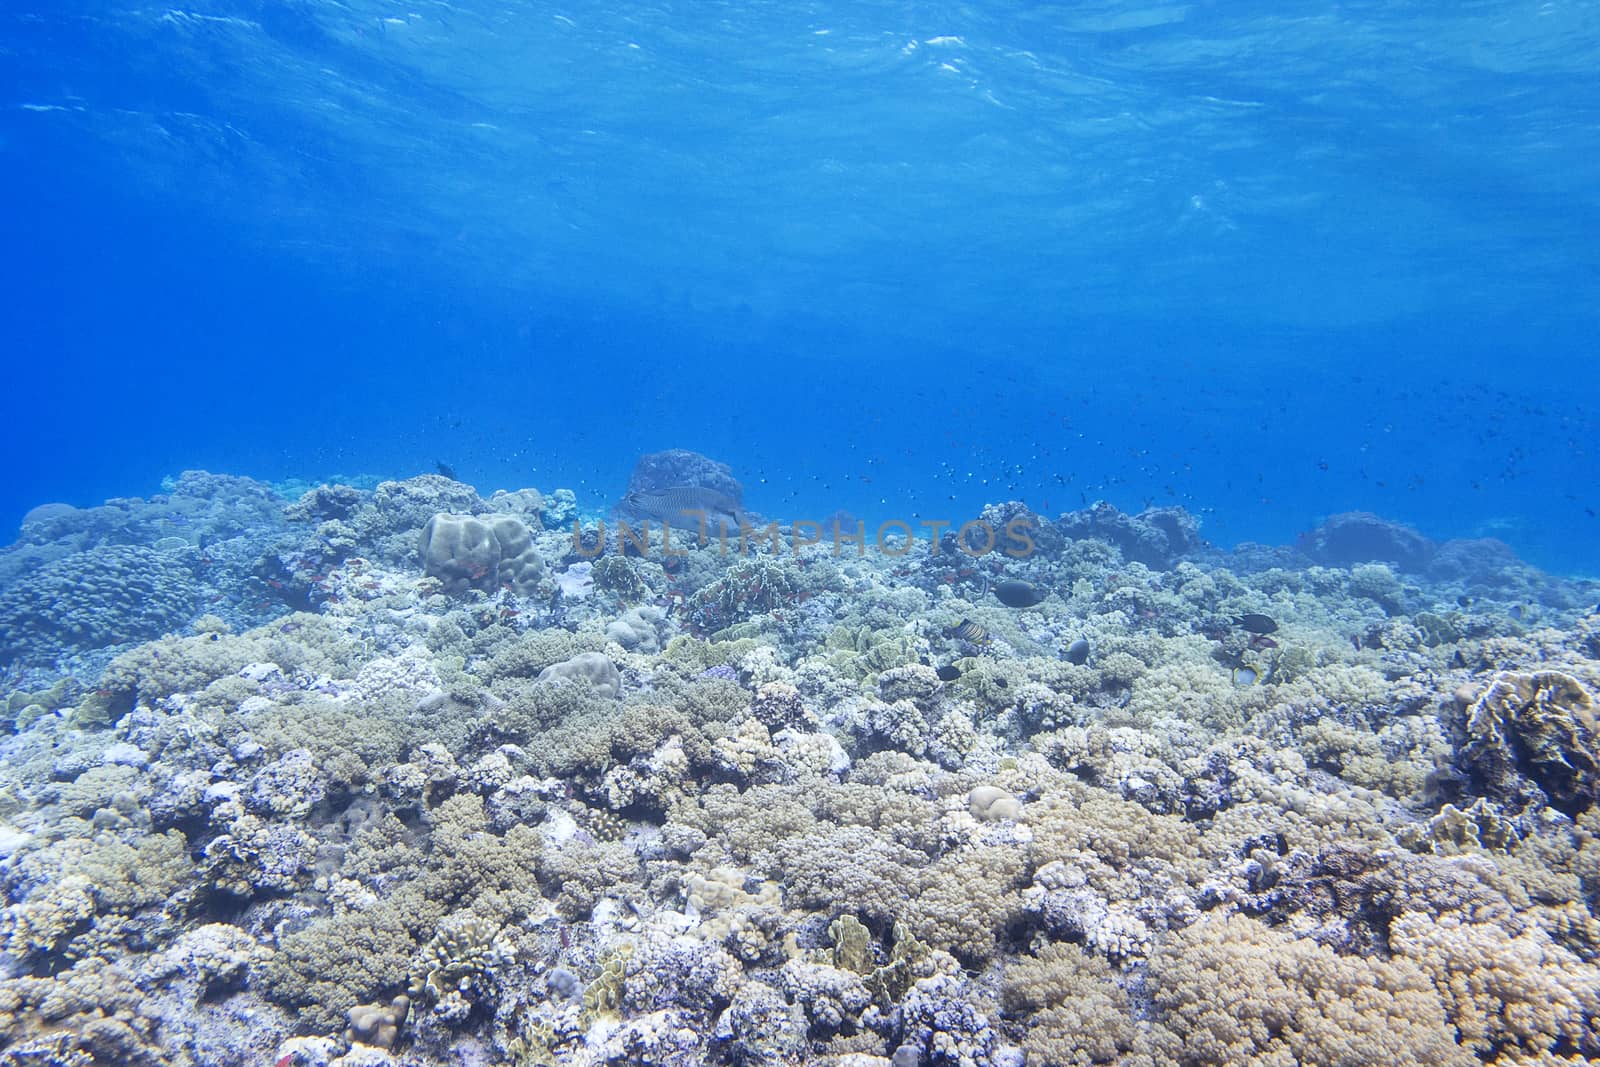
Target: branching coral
69 882
750 587
1236 992
1503 991
90 1013
455 970
850 868
967 899
1074 1012
747 923
342 961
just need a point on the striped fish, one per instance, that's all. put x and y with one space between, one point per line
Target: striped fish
969 631
685 505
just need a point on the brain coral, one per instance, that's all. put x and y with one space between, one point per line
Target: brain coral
485 553
92 599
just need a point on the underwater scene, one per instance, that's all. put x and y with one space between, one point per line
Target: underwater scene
887 534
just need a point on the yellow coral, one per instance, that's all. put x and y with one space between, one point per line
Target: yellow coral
967 899
1503 990
1239 993
852 944
1075 1013
603 996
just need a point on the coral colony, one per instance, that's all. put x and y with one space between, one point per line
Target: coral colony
406 775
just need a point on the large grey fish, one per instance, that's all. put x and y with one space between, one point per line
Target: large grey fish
1016 594
683 506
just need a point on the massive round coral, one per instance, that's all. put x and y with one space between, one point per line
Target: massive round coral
89 600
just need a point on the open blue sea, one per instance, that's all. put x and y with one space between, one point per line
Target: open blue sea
1267 261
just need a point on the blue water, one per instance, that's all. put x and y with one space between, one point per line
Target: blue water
1266 260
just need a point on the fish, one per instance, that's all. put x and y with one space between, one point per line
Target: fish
948 673
967 630
1244 677
1077 652
682 502
445 469
1018 594
1256 623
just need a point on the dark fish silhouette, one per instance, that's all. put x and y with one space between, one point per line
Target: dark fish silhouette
1256 623
1077 652
967 630
445 469
1015 594
948 673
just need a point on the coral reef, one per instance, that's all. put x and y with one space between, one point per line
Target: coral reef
1353 537
1156 537
677 466
590 667
434 802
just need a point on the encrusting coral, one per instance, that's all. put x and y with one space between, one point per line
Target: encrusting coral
1543 725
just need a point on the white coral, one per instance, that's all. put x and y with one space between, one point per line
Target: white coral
1120 936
